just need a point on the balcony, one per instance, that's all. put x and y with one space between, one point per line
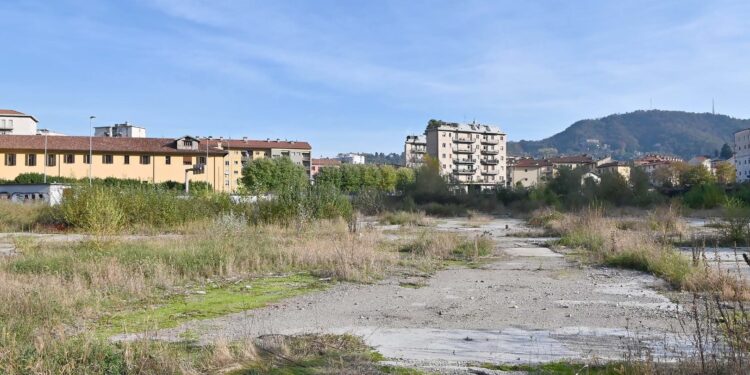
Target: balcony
419 150
490 152
463 140
464 171
489 172
463 161
490 141
490 161
463 150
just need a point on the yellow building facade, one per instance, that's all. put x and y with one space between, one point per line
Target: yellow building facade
151 160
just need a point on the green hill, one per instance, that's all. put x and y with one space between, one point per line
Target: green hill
680 133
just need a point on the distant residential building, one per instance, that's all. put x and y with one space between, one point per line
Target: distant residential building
48 132
590 176
573 162
415 148
623 169
352 158
120 130
17 123
742 154
468 154
703 161
242 151
318 164
150 160
528 172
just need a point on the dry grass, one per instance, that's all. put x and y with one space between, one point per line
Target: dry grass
15 217
404 218
55 296
641 245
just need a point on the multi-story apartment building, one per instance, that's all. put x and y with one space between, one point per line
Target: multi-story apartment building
319 164
742 154
147 159
415 148
468 154
241 151
16 123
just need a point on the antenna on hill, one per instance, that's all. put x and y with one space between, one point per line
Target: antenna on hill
713 107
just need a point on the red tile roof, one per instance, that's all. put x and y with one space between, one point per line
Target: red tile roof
326 162
257 144
578 159
531 163
99 144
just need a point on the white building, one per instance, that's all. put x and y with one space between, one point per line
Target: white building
352 158
16 123
120 130
742 154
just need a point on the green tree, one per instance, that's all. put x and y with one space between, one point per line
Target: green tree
263 176
388 178
726 152
614 188
404 178
696 175
725 173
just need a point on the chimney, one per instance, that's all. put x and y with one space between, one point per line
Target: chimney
244 139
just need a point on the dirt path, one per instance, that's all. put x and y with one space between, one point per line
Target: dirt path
528 305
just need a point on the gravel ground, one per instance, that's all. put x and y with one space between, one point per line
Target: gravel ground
527 305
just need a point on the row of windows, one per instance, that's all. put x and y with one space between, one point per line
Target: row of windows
30 159
6 123
476 136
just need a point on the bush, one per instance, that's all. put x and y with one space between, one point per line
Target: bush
705 196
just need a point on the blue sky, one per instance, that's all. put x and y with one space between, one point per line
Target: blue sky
359 75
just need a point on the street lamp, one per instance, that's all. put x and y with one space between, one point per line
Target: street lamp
91 146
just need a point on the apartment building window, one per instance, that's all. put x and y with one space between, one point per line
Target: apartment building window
108 159
145 159
69 159
187 143
30 160
187 160
226 163
10 159
51 160
167 160
202 160
86 159
126 159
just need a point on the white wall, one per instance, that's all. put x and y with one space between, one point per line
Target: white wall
17 125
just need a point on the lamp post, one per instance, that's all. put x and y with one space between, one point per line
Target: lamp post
46 158
91 146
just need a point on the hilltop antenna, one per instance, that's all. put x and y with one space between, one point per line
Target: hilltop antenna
713 107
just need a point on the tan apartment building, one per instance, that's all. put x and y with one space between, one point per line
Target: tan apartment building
617 167
415 148
529 172
151 160
468 154
241 151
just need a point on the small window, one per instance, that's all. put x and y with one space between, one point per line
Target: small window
10 123
69 159
187 143
10 159
108 159
127 159
30 160
226 163
202 160
51 160
145 159
168 160
187 160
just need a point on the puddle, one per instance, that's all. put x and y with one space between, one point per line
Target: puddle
532 252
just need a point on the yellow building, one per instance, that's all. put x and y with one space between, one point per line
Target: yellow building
241 151
147 159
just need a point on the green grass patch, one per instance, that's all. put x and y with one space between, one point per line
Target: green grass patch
566 368
215 302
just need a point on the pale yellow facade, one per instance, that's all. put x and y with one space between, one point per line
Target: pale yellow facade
154 168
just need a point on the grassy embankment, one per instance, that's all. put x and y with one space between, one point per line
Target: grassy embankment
60 301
